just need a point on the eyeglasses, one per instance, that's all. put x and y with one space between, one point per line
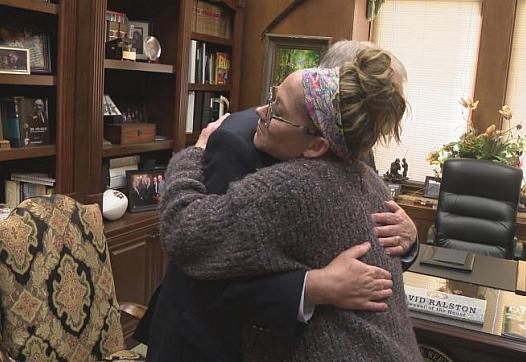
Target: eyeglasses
271 115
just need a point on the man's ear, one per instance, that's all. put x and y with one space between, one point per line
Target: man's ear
317 148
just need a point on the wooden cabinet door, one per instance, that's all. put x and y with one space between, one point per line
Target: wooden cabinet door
137 266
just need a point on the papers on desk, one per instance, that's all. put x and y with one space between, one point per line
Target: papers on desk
445 304
514 325
451 258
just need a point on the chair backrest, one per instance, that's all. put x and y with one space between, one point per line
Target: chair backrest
56 284
477 207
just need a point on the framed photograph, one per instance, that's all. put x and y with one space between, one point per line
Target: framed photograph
14 61
144 189
394 190
288 53
432 187
138 31
26 37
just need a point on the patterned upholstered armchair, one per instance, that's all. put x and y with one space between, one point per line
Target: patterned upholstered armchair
56 284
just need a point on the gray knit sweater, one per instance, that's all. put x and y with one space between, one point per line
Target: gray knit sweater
296 214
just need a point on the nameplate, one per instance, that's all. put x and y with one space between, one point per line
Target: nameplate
445 304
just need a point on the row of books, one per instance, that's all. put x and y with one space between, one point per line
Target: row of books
25 185
207 66
203 108
116 25
24 121
211 19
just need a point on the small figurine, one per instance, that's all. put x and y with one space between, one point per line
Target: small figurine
393 175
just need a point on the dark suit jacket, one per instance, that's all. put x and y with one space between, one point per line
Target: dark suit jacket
190 320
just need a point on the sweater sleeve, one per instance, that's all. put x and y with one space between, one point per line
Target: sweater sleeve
241 233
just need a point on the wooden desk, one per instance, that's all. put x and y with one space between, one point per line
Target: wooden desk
463 341
483 272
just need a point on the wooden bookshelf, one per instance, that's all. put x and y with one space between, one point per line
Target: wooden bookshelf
28 79
138 66
27 152
211 39
33 5
124 150
209 87
192 137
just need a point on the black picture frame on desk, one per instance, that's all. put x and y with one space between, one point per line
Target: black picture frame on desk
144 189
432 187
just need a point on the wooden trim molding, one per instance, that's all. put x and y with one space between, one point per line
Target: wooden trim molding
66 96
521 278
494 59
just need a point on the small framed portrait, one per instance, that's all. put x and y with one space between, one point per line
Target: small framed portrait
288 53
14 61
138 32
394 190
145 188
432 187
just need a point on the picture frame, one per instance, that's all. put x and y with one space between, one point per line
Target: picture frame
144 189
287 53
394 190
14 61
138 32
31 38
432 187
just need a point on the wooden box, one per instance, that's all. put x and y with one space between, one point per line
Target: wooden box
130 133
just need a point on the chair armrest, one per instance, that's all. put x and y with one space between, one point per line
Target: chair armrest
137 311
431 234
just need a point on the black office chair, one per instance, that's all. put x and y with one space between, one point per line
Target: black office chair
477 207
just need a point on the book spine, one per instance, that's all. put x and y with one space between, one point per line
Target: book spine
190 112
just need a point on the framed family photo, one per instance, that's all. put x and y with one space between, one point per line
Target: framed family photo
432 187
138 32
14 61
288 53
32 39
144 189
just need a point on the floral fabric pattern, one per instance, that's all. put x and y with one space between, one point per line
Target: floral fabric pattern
56 284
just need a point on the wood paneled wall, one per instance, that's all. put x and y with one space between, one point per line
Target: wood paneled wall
332 18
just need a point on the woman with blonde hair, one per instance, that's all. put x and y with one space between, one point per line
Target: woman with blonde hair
303 212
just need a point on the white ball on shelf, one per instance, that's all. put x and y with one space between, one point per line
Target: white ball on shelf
114 204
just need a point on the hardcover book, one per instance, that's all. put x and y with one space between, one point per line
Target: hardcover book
34 120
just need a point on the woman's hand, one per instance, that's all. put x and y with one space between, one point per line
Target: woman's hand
206 132
348 283
395 230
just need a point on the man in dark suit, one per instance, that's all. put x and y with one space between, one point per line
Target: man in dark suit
192 320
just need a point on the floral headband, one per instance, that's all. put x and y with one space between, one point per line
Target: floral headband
322 100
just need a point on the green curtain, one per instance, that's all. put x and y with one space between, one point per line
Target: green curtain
373 7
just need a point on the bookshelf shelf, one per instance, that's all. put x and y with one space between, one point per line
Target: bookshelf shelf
28 152
208 87
124 150
27 79
138 66
33 5
211 39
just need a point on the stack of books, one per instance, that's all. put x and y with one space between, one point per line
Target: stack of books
211 19
25 185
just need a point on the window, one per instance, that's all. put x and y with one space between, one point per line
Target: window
516 92
438 42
